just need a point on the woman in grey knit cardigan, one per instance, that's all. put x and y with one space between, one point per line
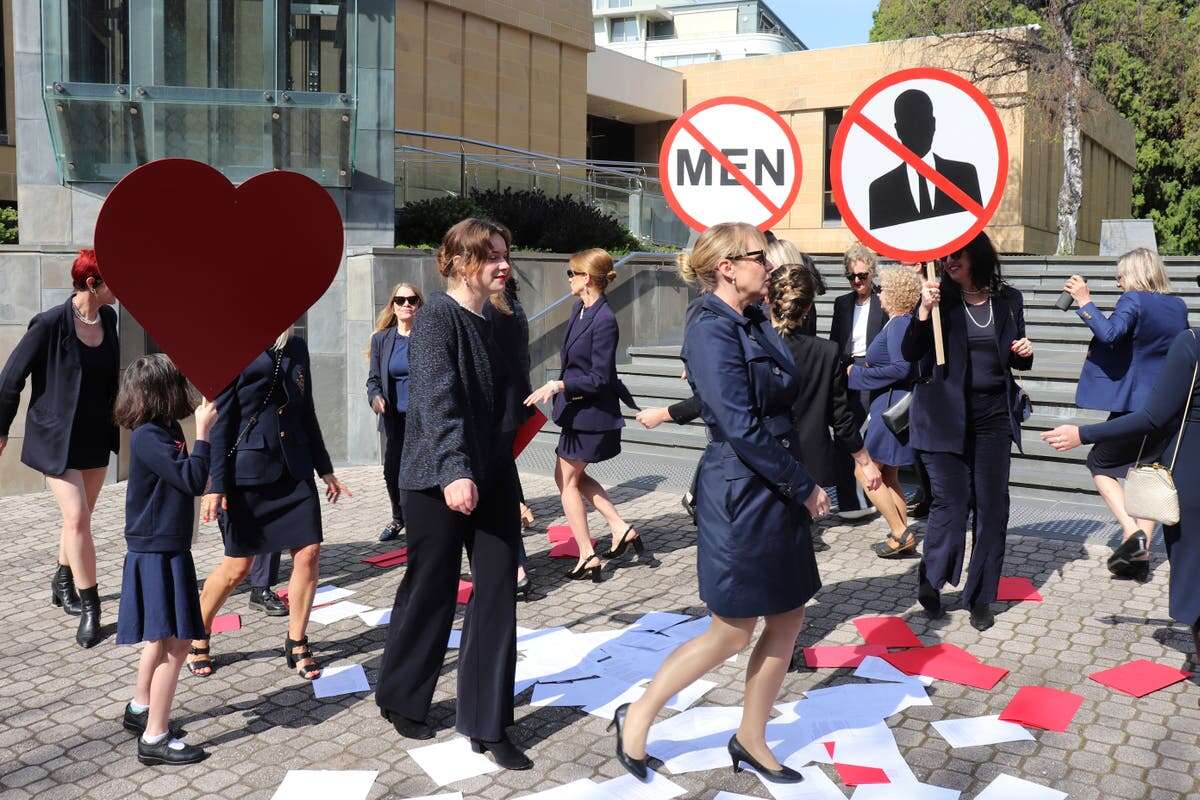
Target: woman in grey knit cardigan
460 491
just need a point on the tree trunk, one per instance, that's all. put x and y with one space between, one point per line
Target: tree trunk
1070 195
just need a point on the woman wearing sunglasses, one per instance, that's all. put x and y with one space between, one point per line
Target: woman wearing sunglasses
387 389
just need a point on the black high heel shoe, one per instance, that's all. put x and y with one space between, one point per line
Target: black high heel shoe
62 591
623 545
635 766
408 728
586 571
524 587
1128 553
504 752
738 754
310 671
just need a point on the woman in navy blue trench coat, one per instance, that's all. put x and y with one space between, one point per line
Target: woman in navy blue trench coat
754 500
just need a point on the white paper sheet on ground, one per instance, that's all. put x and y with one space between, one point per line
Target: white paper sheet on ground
339 679
865 745
306 784
659 621
876 669
1006 787
632 664
976 731
448 762
904 791
694 740
628 787
455 640
326 615
803 725
557 655
880 700
680 702
376 617
815 786
330 594
582 789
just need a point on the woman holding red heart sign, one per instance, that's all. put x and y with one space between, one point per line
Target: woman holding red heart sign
71 352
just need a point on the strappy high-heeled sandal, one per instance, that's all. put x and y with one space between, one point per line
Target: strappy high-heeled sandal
296 660
897 548
626 541
200 663
588 570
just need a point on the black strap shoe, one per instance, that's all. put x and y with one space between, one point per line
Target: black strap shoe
504 753
391 531
62 591
267 602
169 751
136 723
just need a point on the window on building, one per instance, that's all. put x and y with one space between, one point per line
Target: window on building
833 118
661 29
683 59
623 29
768 24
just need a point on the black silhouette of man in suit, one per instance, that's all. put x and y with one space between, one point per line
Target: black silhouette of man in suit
891 198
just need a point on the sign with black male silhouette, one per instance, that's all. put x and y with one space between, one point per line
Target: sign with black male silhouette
918 164
730 159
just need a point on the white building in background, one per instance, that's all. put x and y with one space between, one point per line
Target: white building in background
674 33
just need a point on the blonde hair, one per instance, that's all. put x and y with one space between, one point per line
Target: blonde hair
597 264
899 290
858 253
282 341
790 294
387 315
1143 271
781 251
699 267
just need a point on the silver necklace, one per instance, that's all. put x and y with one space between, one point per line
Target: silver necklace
971 314
84 319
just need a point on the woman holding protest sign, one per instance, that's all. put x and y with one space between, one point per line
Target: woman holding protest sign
72 355
964 417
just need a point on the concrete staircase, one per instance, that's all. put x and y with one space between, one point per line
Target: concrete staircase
652 374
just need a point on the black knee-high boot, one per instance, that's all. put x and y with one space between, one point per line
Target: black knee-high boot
88 634
62 590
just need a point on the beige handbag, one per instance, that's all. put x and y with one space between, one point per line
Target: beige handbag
1150 489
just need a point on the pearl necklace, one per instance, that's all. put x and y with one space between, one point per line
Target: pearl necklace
79 316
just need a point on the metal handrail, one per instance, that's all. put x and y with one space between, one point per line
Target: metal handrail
620 263
470 158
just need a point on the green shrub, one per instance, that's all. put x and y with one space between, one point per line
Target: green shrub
537 220
8 224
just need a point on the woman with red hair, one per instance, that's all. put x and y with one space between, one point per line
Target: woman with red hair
71 352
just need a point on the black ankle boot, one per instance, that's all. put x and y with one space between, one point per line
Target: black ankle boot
88 634
504 752
929 599
982 617
62 591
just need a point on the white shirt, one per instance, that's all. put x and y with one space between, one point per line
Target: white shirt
857 345
914 184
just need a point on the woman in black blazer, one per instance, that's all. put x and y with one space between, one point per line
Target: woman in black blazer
266 445
72 354
587 406
457 472
964 418
387 389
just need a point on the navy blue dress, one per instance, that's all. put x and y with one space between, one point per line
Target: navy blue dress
754 550
1161 415
888 377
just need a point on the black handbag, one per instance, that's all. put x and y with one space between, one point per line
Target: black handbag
895 417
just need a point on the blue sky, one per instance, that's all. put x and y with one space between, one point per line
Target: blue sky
826 23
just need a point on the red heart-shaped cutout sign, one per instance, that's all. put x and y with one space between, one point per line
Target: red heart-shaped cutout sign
212 271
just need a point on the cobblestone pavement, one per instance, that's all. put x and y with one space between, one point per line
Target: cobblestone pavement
60 706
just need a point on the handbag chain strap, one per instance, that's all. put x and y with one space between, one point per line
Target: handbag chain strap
278 359
1187 406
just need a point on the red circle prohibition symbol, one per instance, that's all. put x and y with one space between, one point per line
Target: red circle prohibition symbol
854 116
684 123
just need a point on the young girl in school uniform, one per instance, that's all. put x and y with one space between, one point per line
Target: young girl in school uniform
160 601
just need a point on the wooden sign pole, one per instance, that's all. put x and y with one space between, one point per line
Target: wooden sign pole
939 348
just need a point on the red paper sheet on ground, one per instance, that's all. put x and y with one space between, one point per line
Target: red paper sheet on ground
465 589
1017 590
1042 707
829 746
947 663
838 657
388 559
567 549
226 623
855 775
1140 678
527 431
558 533
887 632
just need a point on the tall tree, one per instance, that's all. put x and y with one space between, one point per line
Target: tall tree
1141 55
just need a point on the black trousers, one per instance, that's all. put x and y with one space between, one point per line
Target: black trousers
264 571
976 479
424 609
393 446
849 496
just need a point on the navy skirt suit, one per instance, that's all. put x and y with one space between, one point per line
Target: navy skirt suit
1161 416
267 475
1127 351
754 550
888 377
588 410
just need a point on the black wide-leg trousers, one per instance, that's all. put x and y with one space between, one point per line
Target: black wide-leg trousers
423 612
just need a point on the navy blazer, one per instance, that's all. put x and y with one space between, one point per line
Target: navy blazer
48 352
285 432
382 343
937 418
163 482
842 326
1128 349
592 395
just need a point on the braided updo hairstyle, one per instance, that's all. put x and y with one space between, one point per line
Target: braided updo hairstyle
791 296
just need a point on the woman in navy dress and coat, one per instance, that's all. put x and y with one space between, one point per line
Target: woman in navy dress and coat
587 407
1124 358
755 501
888 377
266 446
72 356
1171 411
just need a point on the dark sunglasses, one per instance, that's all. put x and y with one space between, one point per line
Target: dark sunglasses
754 255
572 273
857 276
406 300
